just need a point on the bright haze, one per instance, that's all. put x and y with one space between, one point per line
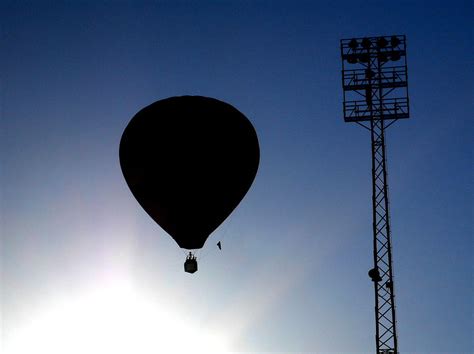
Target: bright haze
85 270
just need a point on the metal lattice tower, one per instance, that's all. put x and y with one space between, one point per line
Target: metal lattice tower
375 96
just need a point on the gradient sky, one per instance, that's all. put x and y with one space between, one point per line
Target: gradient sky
292 274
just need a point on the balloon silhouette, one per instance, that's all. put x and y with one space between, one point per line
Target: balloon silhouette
189 161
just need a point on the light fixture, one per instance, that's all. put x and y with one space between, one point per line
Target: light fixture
394 41
353 44
352 59
366 43
382 42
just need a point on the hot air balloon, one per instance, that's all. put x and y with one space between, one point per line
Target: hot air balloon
189 161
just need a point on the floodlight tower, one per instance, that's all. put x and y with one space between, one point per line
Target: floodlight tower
375 96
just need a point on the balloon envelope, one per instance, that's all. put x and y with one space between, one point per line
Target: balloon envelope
189 161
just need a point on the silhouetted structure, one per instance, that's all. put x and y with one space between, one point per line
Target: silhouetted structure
376 96
189 161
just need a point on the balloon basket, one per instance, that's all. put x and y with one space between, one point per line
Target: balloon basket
190 265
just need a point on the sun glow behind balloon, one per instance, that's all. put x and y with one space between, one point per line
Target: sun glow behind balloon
112 318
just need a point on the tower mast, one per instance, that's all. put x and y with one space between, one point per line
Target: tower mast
375 96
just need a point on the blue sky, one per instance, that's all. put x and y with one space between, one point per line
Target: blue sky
292 275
